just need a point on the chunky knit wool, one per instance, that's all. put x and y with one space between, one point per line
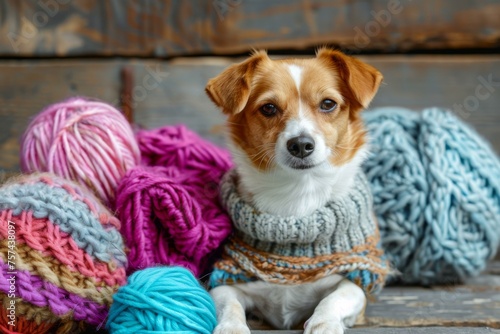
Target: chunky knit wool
169 208
436 189
84 140
69 255
339 238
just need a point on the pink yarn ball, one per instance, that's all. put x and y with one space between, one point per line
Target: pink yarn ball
169 210
87 141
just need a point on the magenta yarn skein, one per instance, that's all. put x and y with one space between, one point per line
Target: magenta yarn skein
87 141
169 209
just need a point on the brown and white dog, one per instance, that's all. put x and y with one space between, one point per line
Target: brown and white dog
297 140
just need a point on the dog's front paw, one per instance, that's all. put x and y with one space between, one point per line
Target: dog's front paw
231 328
322 326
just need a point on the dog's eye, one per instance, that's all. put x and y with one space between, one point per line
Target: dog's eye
328 105
268 109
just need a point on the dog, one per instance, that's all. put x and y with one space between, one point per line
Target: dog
297 140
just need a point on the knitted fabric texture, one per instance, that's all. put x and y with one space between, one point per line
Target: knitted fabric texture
339 238
436 188
61 257
169 208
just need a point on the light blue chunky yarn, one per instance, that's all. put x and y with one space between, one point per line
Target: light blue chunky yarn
436 189
162 300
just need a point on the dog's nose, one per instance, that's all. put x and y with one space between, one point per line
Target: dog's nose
301 146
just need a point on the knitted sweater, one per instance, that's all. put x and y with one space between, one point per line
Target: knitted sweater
340 238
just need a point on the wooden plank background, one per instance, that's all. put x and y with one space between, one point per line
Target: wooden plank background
165 28
415 82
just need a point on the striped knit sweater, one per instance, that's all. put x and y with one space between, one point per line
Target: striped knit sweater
340 238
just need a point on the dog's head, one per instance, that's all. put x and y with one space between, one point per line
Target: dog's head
296 114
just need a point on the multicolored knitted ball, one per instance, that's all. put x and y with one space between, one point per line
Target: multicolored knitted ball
62 256
83 140
169 209
436 189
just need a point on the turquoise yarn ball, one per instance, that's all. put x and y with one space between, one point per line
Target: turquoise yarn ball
162 300
436 189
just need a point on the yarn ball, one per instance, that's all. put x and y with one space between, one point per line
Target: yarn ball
84 140
169 208
61 256
162 300
436 188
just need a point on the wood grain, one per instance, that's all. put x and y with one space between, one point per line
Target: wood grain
166 28
27 87
171 92
455 306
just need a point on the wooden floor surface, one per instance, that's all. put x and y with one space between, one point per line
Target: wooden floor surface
431 330
475 304
426 330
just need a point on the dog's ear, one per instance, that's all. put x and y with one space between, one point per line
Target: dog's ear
230 90
363 79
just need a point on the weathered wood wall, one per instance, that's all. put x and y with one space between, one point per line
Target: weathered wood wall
161 28
178 96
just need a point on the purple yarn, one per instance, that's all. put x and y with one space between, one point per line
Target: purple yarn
169 209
